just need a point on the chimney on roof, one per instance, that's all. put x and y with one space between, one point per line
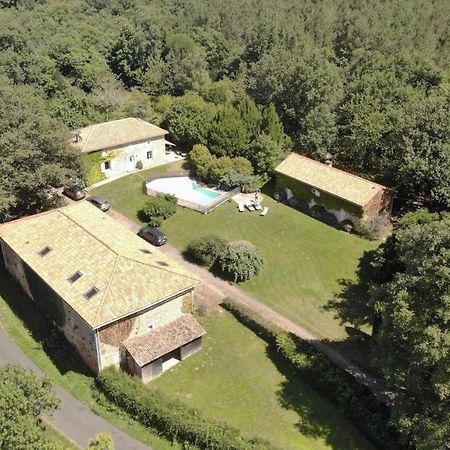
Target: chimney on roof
78 137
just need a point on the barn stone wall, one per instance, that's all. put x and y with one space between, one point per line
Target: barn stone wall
14 265
112 336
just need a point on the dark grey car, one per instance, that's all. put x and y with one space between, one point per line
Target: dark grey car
153 235
99 202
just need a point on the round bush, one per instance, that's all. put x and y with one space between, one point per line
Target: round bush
160 207
240 260
139 165
205 249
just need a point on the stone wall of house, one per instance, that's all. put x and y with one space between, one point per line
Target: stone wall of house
76 330
14 265
82 337
380 204
190 348
128 156
309 196
112 336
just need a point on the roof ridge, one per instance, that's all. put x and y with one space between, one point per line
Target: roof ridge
107 288
337 169
160 268
87 231
124 256
87 138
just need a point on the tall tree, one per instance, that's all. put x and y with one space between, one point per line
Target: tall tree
23 398
413 342
228 135
34 153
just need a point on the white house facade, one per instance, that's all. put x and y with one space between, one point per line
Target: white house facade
125 145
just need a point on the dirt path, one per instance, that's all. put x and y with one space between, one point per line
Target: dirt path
213 290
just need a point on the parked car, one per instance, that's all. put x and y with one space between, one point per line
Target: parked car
153 235
99 202
74 192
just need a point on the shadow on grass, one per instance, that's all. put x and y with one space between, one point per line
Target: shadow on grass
296 395
42 330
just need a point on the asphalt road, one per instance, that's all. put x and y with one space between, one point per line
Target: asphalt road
72 419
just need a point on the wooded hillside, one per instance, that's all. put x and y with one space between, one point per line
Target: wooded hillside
365 82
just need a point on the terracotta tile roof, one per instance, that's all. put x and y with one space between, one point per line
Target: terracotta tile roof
145 349
334 181
129 273
115 133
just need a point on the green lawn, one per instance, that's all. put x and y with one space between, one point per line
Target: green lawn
127 194
58 360
237 378
305 259
59 439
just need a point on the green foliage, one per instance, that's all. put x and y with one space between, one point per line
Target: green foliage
172 419
159 208
201 159
188 119
101 441
204 250
224 171
411 342
139 165
34 153
353 399
228 134
241 260
23 398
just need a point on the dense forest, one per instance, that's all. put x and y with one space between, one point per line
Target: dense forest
364 83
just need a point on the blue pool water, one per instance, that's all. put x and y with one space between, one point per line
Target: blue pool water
207 194
184 188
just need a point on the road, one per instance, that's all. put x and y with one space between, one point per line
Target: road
73 419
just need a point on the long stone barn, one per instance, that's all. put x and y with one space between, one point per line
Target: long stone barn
118 300
348 197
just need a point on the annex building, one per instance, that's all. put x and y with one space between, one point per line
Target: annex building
118 300
348 197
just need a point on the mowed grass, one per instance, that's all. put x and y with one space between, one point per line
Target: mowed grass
305 258
127 194
238 378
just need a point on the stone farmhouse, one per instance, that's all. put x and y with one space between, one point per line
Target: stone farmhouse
122 143
118 300
351 199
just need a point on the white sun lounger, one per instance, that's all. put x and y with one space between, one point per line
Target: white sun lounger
258 207
250 207
264 211
241 207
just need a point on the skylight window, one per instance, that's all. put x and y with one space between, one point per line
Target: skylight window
90 293
45 250
76 276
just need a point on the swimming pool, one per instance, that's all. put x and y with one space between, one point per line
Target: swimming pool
184 188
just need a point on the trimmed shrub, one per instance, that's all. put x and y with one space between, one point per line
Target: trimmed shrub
172 418
139 165
355 400
159 208
241 260
205 250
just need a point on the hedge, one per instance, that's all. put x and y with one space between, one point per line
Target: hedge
353 399
172 418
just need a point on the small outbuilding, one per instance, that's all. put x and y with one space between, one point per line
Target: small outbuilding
349 198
